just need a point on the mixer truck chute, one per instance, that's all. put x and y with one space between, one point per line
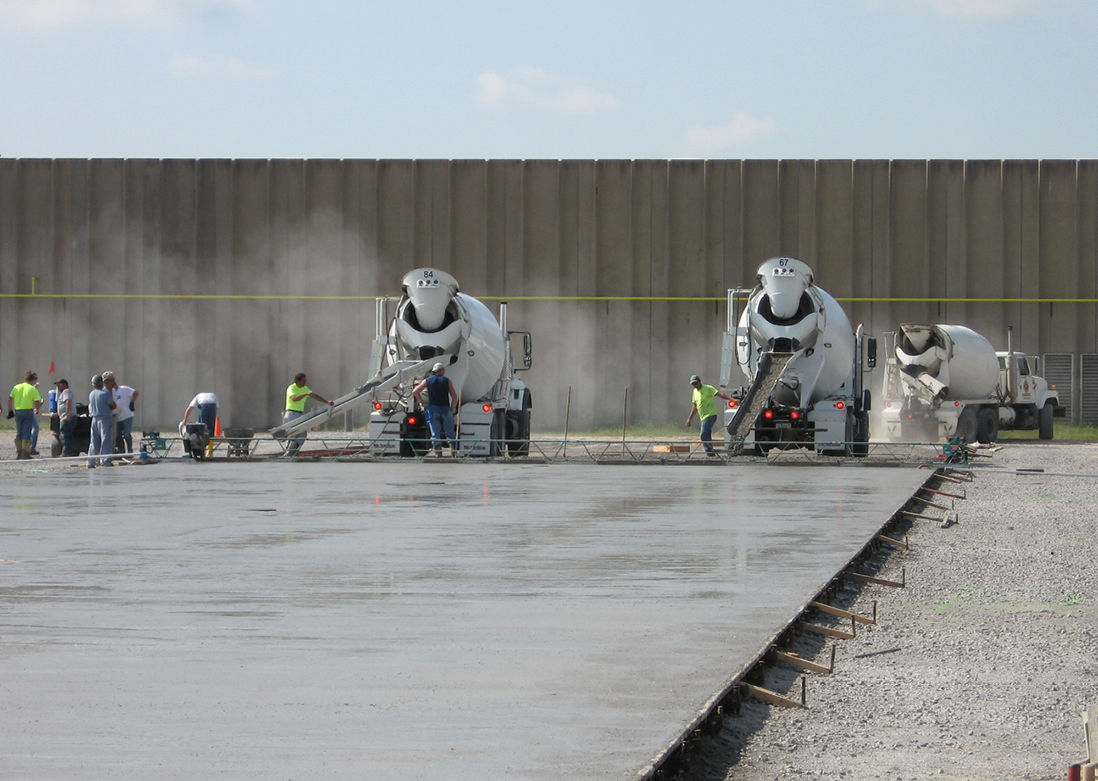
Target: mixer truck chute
803 363
435 322
946 381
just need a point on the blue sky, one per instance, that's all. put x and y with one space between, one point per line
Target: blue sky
584 79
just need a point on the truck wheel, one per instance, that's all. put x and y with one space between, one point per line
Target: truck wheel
499 428
987 425
967 426
1044 422
860 445
518 427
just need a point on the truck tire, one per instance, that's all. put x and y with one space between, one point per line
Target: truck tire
1044 422
967 426
499 428
860 446
987 425
518 427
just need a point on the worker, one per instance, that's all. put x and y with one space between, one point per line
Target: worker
101 406
296 394
24 401
442 405
702 405
34 426
66 413
206 405
124 398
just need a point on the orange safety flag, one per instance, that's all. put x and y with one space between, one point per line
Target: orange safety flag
51 369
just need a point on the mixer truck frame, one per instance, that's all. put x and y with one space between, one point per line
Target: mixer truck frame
804 363
433 322
947 381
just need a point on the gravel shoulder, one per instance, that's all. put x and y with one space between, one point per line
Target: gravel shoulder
997 631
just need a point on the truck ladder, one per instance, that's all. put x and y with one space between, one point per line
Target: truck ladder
770 370
387 379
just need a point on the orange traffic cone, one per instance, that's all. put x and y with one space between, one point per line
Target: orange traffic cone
217 426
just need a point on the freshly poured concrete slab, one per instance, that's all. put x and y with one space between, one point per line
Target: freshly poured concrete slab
397 621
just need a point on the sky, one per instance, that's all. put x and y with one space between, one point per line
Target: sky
551 80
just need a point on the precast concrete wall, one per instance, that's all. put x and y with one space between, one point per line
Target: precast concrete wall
232 275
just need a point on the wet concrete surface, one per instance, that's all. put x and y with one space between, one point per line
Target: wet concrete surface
397 621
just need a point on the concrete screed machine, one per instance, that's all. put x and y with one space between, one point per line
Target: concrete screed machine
804 365
435 323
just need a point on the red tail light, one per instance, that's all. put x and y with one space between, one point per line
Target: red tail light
768 414
486 407
840 405
412 420
795 415
732 403
377 405
956 404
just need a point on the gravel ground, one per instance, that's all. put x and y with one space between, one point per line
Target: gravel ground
997 631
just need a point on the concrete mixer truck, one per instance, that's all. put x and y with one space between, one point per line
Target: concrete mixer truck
946 381
435 323
804 365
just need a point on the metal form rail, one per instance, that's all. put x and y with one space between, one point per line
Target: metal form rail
596 451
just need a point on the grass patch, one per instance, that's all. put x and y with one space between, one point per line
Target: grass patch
1060 430
636 431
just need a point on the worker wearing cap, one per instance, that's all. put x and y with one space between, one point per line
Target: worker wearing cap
703 406
296 394
24 401
66 414
442 404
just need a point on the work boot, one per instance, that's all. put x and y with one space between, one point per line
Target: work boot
19 450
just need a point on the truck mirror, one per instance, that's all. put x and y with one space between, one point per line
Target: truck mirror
527 351
871 352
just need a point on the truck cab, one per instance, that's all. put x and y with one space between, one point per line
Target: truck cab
1027 400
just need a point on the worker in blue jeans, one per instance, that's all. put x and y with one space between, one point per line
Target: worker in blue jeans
23 405
442 404
704 407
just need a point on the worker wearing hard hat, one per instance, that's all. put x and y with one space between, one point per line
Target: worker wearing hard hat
703 406
442 404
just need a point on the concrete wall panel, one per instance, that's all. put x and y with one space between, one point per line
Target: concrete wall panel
834 220
688 321
1059 253
1029 327
761 215
984 247
1087 314
908 248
